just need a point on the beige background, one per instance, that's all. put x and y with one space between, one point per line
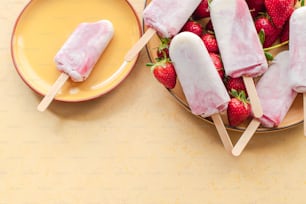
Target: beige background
135 145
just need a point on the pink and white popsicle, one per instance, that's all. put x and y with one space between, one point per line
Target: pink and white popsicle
240 47
297 50
275 92
164 17
276 97
201 84
168 17
83 48
79 54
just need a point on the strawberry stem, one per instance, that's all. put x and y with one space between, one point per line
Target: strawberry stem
159 62
276 46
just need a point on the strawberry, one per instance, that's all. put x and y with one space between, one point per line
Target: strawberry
256 6
218 64
202 11
210 42
279 11
163 49
194 27
236 84
163 70
271 33
209 26
285 33
239 108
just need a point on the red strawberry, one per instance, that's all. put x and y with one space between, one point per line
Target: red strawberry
218 64
239 109
285 33
194 27
271 33
210 42
256 6
164 72
209 26
236 84
163 49
202 11
279 11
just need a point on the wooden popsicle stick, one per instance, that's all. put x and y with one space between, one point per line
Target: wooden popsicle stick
226 140
131 54
52 92
254 100
304 107
245 137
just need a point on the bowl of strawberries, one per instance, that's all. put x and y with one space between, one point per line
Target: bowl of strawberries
271 21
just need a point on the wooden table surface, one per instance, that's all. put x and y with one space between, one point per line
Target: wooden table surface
135 145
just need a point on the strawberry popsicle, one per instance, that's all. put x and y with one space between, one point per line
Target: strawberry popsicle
240 47
83 48
79 54
168 17
201 84
276 97
275 92
164 17
297 50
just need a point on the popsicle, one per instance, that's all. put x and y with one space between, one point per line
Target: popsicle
276 97
239 45
201 84
79 54
297 50
164 17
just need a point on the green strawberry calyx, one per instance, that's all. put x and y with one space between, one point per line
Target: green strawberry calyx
241 96
164 43
159 63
